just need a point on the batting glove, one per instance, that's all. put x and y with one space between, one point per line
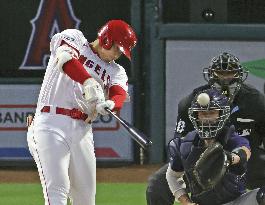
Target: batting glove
93 91
106 104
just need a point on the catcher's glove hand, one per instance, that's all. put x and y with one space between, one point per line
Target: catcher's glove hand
211 166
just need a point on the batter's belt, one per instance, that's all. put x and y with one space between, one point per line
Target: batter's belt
73 113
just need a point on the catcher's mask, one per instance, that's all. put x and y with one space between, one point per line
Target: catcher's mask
208 112
226 74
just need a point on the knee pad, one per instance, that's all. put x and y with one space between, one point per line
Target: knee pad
261 196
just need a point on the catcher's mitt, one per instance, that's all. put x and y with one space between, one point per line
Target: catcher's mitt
211 166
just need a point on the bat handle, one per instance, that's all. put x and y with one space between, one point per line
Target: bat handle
115 116
110 112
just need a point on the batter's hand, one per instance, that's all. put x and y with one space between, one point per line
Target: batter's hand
106 104
29 120
93 91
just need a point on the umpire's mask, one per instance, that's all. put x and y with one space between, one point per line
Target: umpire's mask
226 74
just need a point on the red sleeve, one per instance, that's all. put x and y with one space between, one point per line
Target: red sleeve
118 95
75 70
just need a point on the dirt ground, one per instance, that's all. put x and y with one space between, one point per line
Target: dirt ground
131 173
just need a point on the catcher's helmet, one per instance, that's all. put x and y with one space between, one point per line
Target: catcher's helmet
206 103
119 32
225 73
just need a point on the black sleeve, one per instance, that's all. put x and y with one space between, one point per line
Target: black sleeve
252 106
260 125
183 124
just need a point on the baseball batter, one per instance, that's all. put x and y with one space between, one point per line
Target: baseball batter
81 80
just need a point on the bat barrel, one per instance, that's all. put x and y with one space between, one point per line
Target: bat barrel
139 137
142 140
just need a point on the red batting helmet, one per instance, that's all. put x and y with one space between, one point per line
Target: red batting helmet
119 32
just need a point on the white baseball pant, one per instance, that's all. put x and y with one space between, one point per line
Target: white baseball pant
63 150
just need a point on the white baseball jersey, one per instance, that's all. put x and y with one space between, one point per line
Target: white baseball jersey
60 90
62 147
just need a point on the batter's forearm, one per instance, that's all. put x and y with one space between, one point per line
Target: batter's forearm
76 71
118 95
67 62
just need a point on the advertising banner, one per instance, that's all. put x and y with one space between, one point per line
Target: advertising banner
112 141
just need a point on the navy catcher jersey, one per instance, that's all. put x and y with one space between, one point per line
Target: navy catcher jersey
184 153
248 117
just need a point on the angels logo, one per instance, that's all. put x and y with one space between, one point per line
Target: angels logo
52 17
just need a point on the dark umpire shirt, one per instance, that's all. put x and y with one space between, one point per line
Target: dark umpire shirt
248 117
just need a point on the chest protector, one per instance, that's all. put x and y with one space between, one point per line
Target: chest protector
230 186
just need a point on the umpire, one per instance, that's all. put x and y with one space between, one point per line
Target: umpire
247 115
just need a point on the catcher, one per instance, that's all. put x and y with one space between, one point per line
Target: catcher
210 162
247 106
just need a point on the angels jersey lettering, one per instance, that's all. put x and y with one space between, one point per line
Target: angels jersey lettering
57 88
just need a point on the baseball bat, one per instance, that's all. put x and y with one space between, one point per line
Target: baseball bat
136 135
